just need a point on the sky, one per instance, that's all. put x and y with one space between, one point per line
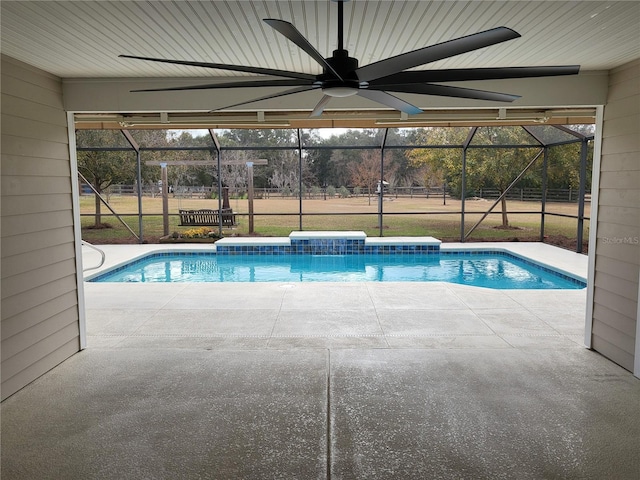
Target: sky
323 132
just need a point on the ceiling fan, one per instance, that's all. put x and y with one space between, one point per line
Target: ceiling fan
342 77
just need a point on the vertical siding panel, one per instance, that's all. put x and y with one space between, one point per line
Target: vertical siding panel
36 192
615 321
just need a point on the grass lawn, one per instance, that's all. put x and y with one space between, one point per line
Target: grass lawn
403 217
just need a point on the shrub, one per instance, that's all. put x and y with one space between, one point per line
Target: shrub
201 232
316 191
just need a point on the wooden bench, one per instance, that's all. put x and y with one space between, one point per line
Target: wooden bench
207 218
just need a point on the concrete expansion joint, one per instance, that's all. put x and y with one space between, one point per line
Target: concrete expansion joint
185 335
532 335
422 335
330 335
323 335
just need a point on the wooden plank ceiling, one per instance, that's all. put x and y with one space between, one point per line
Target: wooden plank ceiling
84 38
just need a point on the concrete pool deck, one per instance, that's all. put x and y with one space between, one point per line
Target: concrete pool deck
334 315
328 381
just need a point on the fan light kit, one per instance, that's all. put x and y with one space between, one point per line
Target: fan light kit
342 77
340 92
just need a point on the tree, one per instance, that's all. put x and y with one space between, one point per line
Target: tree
263 138
366 173
437 165
196 175
331 166
485 167
320 165
427 176
234 176
398 167
564 166
499 167
286 171
104 168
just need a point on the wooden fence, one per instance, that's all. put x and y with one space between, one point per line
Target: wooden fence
534 194
523 194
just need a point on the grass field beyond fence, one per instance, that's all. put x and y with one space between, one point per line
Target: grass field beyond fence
402 217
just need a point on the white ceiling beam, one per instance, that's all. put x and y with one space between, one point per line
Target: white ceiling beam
81 95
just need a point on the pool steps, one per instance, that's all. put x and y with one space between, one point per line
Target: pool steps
325 243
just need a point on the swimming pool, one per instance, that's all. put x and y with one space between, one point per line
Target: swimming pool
489 269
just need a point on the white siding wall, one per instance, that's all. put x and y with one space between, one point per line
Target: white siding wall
617 262
39 290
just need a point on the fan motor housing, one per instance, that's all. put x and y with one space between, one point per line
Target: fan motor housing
343 64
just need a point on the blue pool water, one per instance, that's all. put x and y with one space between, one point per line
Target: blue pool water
483 269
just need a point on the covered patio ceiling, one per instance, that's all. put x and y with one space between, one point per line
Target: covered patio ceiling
80 42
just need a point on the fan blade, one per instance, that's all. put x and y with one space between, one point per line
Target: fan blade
292 33
464 74
401 62
267 97
319 108
236 68
250 84
389 100
448 91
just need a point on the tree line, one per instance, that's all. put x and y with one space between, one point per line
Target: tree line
333 162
